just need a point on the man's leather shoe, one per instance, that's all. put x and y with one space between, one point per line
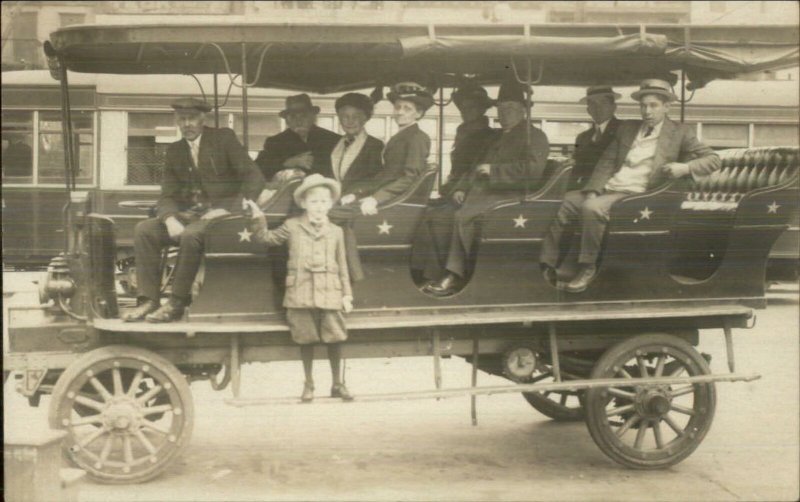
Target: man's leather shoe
550 275
339 390
141 310
446 287
308 392
170 311
582 279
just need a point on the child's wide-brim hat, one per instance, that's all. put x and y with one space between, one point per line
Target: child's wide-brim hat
317 180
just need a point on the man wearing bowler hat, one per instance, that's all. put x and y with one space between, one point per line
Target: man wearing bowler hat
644 154
601 104
513 164
206 174
303 146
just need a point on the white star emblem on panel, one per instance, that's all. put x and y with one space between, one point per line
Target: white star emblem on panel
519 221
384 228
645 213
245 235
773 208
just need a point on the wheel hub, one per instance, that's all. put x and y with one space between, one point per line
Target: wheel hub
122 415
653 402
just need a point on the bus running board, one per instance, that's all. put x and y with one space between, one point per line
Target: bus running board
571 385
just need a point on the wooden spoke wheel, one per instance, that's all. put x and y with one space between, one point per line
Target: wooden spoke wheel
562 406
650 427
128 413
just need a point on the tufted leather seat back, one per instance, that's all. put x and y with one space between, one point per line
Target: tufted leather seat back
743 170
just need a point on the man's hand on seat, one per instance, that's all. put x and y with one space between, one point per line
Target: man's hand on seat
174 227
484 169
676 169
369 206
347 199
214 213
458 197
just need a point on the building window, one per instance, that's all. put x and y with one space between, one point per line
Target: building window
149 135
26 45
70 18
51 147
776 135
725 135
17 158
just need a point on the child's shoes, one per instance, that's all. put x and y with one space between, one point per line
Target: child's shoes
339 390
308 392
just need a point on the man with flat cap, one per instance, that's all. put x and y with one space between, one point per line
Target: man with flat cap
513 164
303 146
206 174
601 104
643 155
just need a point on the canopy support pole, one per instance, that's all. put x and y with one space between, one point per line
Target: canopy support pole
683 95
473 397
216 103
440 139
65 135
245 132
528 107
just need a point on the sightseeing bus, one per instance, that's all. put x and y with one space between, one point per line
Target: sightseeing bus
123 124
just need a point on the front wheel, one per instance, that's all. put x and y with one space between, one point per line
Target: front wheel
127 411
654 426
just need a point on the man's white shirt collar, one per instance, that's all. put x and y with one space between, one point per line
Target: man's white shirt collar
656 130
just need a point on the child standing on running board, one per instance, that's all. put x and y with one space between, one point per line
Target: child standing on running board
318 283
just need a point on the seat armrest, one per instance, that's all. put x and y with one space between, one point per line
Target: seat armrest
423 183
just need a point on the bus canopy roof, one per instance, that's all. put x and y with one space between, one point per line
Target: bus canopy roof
337 57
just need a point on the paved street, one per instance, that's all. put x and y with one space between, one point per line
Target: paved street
428 450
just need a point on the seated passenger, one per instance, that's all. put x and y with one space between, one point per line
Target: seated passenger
473 137
206 174
303 146
590 144
644 154
511 166
406 154
357 159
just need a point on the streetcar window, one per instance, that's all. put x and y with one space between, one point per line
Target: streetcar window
561 135
775 135
17 158
725 135
376 126
51 147
149 135
259 128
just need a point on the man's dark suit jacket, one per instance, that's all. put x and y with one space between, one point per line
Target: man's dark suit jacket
363 176
588 153
277 149
225 173
676 143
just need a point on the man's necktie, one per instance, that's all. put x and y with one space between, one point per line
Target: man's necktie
348 142
597 135
649 131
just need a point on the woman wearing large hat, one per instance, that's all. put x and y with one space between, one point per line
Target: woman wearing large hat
406 154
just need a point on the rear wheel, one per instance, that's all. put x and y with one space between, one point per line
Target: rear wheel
128 413
562 405
650 427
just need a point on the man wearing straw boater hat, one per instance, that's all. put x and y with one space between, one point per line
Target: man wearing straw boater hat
302 147
601 103
206 175
645 154
513 164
